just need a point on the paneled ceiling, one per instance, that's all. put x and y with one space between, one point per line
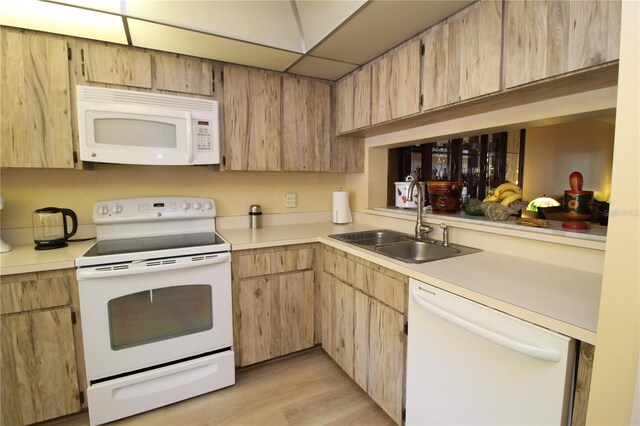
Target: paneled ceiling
317 38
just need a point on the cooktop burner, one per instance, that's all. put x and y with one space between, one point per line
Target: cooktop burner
165 242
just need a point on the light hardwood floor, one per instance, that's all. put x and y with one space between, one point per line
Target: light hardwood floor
304 389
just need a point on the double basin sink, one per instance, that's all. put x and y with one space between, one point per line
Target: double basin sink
402 246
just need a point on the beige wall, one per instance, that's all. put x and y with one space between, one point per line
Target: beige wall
618 345
234 192
553 152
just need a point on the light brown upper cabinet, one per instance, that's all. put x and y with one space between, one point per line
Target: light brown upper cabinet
462 55
546 39
122 66
395 84
184 75
353 100
35 113
306 109
252 102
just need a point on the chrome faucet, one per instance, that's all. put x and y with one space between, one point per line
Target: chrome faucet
445 234
422 229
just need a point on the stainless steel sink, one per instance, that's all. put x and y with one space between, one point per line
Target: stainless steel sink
372 238
403 247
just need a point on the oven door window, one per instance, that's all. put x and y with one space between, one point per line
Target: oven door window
160 314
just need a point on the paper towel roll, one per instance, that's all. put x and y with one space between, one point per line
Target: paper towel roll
341 210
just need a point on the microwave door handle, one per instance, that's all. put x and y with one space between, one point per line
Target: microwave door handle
189 140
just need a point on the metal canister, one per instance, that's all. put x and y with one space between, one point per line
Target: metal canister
255 216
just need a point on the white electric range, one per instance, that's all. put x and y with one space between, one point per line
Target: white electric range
155 305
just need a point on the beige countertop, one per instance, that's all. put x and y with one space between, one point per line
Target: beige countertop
563 299
25 258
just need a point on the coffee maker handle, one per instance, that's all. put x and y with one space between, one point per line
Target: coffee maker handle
74 222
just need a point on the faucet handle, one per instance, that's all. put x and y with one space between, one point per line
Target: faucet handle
443 226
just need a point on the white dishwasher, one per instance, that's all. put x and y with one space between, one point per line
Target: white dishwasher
468 364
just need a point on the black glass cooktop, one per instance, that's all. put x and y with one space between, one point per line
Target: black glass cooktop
136 245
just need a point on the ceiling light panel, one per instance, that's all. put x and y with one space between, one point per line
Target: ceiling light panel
169 39
60 19
321 68
270 23
382 25
110 6
320 18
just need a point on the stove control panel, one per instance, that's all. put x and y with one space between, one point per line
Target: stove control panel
150 209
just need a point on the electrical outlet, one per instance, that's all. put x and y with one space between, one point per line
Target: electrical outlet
290 199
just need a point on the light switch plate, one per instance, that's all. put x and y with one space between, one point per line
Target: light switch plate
290 199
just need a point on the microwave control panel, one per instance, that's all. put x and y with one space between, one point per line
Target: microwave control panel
202 135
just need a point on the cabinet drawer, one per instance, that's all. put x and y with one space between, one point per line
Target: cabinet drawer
27 292
254 264
387 286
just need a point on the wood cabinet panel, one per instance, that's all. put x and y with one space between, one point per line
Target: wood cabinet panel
353 100
35 101
277 314
121 66
583 384
252 103
395 83
347 154
463 55
39 378
185 75
27 295
363 335
386 359
274 261
306 109
276 302
546 39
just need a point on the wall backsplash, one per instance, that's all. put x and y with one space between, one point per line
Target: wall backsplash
234 192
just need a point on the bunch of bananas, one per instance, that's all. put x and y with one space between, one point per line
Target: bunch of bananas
505 194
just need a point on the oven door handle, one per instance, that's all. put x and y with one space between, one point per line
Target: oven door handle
149 266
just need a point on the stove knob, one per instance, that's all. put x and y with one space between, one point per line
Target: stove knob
196 205
115 208
185 206
103 209
208 205
119 208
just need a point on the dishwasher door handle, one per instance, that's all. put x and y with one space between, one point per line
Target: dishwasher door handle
515 345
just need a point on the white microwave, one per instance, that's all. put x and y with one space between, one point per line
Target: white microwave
129 127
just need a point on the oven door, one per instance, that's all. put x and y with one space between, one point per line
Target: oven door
141 314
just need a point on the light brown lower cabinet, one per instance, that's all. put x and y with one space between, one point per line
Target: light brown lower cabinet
274 302
363 309
39 365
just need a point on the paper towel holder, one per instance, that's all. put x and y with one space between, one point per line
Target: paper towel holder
341 212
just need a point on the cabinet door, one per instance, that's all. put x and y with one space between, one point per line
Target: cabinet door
277 314
184 75
252 119
35 101
396 83
39 378
353 100
306 125
386 361
546 39
347 154
463 55
338 313
122 66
